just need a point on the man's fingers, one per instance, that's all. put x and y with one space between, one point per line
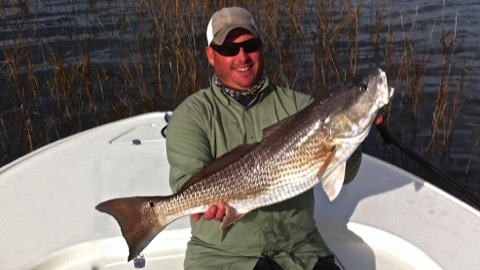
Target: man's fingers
211 212
379 119
220 211
197 217
216 212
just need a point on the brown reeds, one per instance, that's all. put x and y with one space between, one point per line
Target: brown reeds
151 56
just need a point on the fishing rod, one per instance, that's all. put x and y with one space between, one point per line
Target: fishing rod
389 139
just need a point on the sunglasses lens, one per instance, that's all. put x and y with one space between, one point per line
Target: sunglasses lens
252 45
232 49
228 49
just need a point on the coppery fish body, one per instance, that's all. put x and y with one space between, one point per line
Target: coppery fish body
298 152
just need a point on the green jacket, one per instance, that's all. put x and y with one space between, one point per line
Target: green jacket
207 125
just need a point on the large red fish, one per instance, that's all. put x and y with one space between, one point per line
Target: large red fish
296 153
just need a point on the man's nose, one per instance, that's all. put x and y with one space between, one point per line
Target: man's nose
242 53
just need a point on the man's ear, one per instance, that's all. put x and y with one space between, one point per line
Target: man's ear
210 55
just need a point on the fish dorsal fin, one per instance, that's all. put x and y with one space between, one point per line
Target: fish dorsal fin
219 164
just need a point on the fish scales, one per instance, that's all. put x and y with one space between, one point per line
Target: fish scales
268 177
298 152
259 173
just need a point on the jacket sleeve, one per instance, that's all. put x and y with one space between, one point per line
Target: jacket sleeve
353 164
188 147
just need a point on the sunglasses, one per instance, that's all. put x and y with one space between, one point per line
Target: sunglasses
232 49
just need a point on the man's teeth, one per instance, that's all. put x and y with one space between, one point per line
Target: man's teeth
243 69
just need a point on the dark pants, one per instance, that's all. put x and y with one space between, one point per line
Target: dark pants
323 263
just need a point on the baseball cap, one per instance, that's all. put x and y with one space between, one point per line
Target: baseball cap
227 19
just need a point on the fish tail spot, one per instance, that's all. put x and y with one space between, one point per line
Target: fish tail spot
138 220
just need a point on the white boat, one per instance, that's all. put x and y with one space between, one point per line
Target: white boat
386 218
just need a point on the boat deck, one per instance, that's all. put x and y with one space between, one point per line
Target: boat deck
363 247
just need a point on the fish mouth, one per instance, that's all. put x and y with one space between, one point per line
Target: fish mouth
386 94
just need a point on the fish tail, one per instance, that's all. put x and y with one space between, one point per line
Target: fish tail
140 219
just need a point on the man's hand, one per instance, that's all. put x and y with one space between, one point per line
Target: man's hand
379 119
216 212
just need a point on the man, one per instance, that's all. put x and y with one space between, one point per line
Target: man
239 103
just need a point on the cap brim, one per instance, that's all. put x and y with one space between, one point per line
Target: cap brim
219 38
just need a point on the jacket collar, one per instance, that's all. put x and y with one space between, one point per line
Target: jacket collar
229 101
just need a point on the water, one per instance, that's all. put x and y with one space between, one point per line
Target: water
98 41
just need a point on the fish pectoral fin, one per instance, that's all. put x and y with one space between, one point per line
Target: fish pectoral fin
231 216
333 182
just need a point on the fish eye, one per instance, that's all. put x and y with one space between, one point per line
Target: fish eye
363 87
151 203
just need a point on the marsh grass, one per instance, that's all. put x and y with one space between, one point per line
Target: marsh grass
129 57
